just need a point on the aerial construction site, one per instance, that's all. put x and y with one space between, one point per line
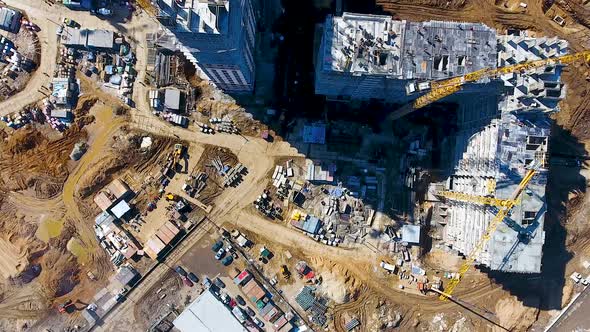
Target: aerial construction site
246 165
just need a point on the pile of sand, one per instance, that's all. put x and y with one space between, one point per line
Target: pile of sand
514 316
338 282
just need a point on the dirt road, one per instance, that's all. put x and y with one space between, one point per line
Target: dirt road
108 125
37 12
48 18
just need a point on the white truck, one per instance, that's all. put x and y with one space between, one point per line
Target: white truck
576 277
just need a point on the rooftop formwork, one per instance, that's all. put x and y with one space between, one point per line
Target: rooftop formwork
373 57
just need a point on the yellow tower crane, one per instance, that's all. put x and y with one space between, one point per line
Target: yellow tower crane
443 88
481 200
503 212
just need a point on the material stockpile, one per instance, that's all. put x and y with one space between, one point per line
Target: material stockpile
316 306
195 184
19 119
234 175
345 218
265 205
176 119
205 128
224 125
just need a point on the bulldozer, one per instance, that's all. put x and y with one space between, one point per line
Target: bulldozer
171 197
285 272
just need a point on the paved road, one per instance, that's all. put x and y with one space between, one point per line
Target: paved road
577 316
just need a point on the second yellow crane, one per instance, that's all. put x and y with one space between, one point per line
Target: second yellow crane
498 218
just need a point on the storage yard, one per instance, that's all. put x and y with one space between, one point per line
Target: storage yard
138 190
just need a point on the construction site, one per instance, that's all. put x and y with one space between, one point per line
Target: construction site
376 166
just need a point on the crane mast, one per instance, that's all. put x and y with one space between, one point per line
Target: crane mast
498 218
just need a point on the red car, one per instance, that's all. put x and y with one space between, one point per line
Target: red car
187 282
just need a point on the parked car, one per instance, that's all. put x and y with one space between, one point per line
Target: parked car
576 277
219 283
193 277
227 260
180 271
240 300
225 298
218 245
206 282
105 12
220 253
258 322
187 282
250 312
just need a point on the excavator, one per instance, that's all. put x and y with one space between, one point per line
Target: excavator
443 88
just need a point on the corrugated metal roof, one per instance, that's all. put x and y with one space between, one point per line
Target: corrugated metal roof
120 209
207 314
118 188
100 39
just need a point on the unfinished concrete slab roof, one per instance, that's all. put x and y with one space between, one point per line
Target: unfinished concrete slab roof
363 44
207 314
438 50
100 39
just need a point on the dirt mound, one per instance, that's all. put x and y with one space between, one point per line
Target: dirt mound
46 187
450 4
94 181
125 153
514 316
24 140
60 273
84 105
38 159
338 282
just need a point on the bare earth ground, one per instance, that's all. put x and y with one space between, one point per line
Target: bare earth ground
350 273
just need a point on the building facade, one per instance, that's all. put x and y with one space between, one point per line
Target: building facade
218 37
500 136
502 126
